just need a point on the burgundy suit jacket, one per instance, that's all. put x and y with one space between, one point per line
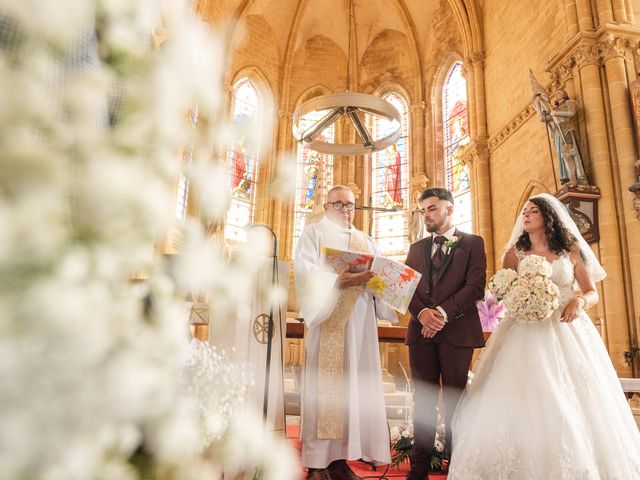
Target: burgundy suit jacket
458 286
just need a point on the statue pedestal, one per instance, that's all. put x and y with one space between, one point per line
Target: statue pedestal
582 203
635 189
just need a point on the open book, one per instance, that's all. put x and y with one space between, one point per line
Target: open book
394 283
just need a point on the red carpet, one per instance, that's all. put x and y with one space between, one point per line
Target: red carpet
360 468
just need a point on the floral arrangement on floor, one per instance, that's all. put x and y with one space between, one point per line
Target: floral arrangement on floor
92 124
402 442
216 385
402 436
528 295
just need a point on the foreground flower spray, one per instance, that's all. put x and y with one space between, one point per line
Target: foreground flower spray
92 364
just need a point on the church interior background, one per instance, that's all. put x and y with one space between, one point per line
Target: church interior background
127 161
458 73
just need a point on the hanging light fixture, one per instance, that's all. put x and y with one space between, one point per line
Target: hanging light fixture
355 106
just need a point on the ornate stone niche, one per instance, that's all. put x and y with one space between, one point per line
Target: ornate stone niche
582 203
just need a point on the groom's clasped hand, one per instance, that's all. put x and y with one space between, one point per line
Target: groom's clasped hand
432 322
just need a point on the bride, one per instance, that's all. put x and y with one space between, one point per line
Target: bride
546 402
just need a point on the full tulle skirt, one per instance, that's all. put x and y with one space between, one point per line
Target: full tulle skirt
545 403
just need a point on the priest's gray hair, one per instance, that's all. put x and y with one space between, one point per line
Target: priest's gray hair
337 188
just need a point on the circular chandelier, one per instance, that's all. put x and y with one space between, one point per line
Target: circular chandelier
354 106
324 111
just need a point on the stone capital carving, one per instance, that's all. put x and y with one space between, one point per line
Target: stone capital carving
612 47
418 183
562 74
586 54
418 106
467 70
476 151
355 189
476 59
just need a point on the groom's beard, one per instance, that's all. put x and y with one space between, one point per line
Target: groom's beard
434 227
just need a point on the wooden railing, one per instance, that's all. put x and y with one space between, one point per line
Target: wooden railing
385 333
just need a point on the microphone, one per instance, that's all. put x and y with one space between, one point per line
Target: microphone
273 234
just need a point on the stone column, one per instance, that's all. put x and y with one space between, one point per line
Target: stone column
476 156
479 100
605 12
469 76
429 160
571 16
614 60
281 217
588 61
630 15
620 11
585 20
418 150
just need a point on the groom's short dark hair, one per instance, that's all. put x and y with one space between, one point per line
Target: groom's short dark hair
441 193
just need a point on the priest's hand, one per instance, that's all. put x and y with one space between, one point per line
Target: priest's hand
347 279
432 322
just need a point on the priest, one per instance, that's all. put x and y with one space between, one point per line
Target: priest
343 410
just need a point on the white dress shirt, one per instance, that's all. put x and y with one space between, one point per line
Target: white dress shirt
449 234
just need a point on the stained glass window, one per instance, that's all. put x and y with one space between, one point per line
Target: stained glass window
314 170
456 135
242 159
390 179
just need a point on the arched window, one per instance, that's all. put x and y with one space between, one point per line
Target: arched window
456 134
242 158
314 170
390 179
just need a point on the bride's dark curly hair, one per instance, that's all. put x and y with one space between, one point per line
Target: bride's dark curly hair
558 237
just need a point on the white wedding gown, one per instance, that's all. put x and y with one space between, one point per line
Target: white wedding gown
545 403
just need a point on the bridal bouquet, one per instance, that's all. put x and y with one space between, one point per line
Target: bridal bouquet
529 295
501 282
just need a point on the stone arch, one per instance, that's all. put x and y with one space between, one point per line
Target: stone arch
312 92
533 188
261 82
329 57
259 38
391 49
468 18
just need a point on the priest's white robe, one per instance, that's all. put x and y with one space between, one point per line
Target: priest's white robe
366 434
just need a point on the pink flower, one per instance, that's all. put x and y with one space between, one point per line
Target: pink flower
491 311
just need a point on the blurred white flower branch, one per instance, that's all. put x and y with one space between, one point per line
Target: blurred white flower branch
92 122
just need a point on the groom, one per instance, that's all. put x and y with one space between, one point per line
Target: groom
445 326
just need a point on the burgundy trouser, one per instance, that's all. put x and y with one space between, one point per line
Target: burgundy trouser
432 362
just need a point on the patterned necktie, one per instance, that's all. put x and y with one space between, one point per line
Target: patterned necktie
438 256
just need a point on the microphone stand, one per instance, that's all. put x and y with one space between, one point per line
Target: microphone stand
369 208
376 209
274 282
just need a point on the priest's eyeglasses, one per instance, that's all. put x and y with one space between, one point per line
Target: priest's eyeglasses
339 205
